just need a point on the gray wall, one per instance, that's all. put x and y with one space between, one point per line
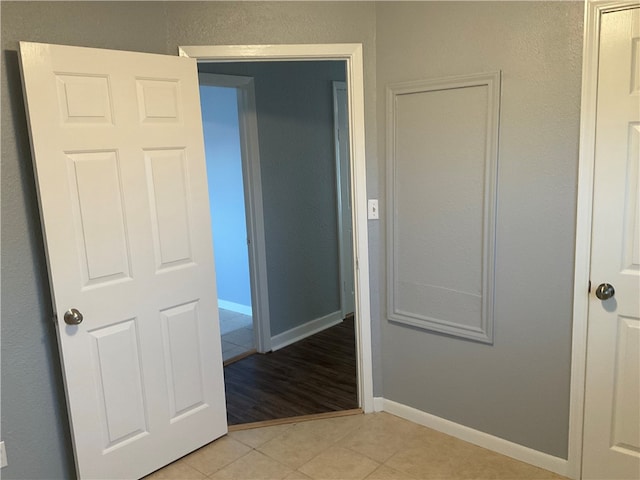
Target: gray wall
517 389
34 424
294 105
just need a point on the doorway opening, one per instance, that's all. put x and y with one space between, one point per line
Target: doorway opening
228 219
306 193
352 54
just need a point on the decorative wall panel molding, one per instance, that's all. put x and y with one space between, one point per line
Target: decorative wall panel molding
442 157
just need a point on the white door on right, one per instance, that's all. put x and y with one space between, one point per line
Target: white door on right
612 396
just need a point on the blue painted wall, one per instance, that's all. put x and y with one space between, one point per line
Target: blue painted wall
226 193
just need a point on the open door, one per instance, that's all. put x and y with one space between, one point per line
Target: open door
119 160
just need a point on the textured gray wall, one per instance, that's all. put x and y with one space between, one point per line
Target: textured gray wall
517 389
34 422
294 104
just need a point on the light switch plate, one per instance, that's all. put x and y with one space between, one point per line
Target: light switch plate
372 210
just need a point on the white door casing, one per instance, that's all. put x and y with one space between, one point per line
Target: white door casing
351 53
343 187
611 447
119 159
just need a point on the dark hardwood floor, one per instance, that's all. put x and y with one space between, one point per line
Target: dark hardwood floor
315 375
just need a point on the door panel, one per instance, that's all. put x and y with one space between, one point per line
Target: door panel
612 396
166 181
626 414
98 215
120 388
119 160
184 369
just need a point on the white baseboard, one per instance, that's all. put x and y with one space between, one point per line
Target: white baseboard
485 440
305 330
378 404
235 307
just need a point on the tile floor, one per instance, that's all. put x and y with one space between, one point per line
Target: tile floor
237 333
374 447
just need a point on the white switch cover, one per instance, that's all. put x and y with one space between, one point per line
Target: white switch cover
3 456
373 209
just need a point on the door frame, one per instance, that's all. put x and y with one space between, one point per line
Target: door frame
351 54
594 9
252 182
345 262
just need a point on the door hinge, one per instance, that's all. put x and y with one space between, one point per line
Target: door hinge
589 290
54 318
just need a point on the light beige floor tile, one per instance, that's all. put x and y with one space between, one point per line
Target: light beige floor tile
255 437
294 448
468 461
480 463
253 466
428 436
216 455
299 444
438 456
339 463
430 454
348 447
424 461
384 472
381 436
297 475
176 470
337 427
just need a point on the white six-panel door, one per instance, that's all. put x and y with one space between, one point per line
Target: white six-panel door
119 159
612 395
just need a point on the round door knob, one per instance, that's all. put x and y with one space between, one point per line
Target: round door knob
605 291
72 317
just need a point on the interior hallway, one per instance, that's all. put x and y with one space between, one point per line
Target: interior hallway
374 446
314 375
